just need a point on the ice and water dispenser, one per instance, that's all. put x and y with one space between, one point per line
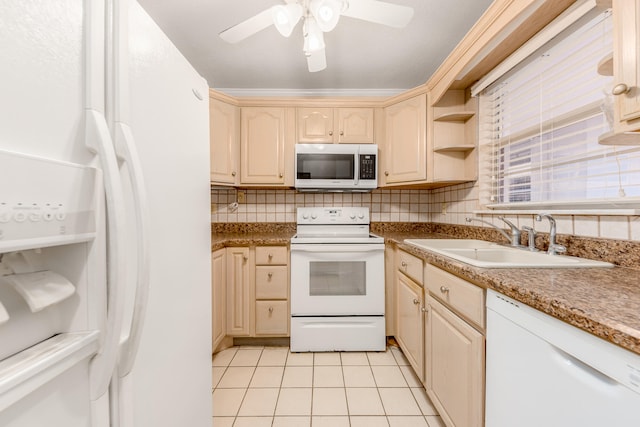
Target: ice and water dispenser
48 227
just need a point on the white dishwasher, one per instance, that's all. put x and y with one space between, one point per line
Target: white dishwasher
544 372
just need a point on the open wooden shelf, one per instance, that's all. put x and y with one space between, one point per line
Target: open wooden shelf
605 66
455 116
623 138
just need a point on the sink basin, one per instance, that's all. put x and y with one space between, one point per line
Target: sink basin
480 253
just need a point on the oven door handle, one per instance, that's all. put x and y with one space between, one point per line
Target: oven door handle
336 248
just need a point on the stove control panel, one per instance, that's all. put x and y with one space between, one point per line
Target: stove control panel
333 215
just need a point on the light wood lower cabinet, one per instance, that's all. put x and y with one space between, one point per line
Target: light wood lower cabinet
272 291
238 286
409 322
272 318
257 291
454 348
218 297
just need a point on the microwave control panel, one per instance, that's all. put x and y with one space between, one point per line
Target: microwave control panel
367 166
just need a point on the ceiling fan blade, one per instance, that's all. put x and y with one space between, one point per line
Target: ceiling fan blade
247 28
393 15
317 61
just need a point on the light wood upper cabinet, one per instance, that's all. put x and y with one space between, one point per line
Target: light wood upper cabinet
218 296
224 127
266 150
405 147
335 125
626 64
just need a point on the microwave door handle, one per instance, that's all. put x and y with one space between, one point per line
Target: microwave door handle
356 168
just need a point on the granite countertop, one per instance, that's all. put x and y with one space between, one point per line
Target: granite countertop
602 301
220 240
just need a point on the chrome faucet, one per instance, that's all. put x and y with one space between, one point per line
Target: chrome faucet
554 248
514 239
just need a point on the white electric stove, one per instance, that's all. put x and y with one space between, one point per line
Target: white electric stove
337 282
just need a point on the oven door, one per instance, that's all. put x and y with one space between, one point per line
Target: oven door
337 279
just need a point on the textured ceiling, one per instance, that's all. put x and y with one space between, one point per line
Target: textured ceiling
361 56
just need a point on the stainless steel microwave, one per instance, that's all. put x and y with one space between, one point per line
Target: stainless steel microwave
336 167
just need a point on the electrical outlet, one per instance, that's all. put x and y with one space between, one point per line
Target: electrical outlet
241 196
444 208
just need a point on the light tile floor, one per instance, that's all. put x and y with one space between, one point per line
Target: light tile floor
269 386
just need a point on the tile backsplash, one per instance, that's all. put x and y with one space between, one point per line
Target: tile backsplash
448 205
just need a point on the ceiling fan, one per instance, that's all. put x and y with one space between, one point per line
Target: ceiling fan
319 17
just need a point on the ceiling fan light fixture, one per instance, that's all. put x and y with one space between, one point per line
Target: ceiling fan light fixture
313 36
326 13
285 17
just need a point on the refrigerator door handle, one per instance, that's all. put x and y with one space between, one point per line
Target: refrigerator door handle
99 141
126 150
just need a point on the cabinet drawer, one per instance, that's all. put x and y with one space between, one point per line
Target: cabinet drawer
272 255
271 282
410 265
272 318
462 296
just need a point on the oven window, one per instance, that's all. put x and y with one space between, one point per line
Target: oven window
325 166
328 278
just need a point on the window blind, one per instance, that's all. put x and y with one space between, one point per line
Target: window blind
539 127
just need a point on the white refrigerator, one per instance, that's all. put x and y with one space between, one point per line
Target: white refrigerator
105 297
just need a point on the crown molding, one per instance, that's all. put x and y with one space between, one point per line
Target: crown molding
268 92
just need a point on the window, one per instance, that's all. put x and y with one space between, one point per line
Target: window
540 123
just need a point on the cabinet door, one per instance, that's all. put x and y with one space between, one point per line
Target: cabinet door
238 303
355 125
406 143
262 148
455 367
409 322
272 317
315 125
224 128
218 296
626 59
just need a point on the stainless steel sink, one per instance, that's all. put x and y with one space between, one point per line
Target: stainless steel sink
480 253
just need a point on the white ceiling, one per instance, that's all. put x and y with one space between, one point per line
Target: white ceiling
362 57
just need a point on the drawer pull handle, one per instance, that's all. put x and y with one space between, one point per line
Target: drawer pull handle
270 275
444 289
270 256
416 301
270 309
